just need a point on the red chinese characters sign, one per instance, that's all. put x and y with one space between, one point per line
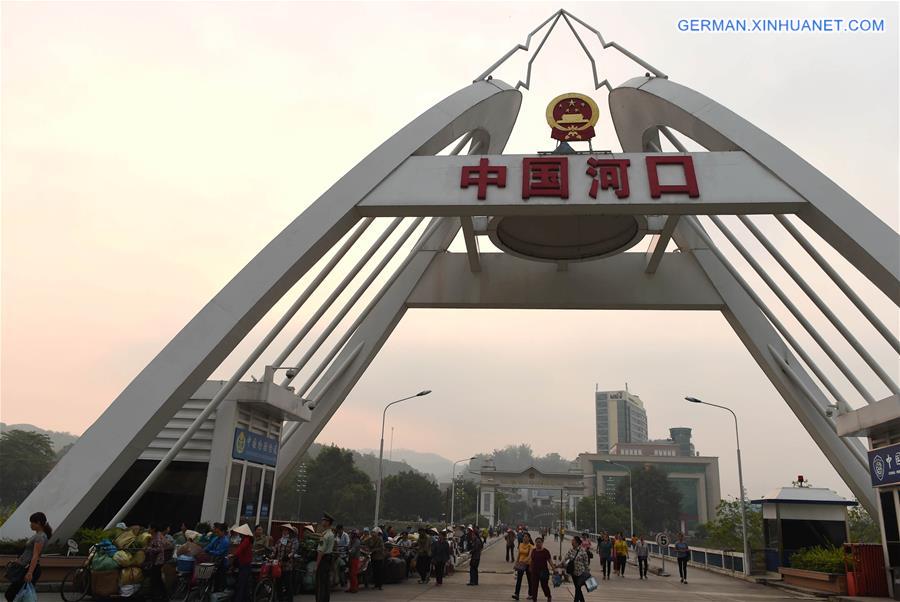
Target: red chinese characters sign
549 176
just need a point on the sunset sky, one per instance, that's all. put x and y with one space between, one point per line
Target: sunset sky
150 150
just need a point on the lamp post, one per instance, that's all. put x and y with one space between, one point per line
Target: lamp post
737 439
453 487
630 492
301 486
381 452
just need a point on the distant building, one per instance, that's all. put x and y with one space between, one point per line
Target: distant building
620 418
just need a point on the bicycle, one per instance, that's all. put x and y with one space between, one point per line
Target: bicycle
76 585
266 590
202 592
185 572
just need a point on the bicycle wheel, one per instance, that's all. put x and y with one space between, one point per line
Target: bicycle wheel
182 586
265 591
75 585
201 593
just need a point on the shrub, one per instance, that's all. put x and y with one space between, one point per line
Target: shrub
823 560
88 537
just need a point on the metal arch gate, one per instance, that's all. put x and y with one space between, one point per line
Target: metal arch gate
481 117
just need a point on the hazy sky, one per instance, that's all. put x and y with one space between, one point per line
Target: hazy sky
149 150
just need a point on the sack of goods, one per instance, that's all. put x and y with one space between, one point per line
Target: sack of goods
131 575
126 591
143 540
122 558
137 559
124 540
394 570
102 562
104 583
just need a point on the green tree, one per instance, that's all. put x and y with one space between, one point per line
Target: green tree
25 459
611 516
725 532
862 528
333 484
411 496
657 504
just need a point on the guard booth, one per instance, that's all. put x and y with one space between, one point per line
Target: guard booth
225 472
880 422
802 517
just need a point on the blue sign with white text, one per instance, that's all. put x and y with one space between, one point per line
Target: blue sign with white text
254 448
884 465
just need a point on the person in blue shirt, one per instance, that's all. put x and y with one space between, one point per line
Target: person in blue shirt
217 548
682 552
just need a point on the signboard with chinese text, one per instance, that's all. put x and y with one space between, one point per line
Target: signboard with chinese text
884 465
624 183
254 448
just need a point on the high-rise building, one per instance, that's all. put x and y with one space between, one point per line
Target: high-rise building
621 418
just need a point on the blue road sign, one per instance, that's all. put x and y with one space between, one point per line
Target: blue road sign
884 465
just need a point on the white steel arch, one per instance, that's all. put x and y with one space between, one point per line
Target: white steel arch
482 116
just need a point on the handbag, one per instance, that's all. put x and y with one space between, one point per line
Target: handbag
26 594
591 584
570 567
521 566
15 572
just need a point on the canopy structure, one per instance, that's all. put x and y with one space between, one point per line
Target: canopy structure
563 250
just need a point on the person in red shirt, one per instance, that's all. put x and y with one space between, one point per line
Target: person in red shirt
540 568
243 556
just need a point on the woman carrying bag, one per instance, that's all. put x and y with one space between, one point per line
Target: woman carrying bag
577 563
523 560
27 567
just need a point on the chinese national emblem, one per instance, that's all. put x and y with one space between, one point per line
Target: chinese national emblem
572 117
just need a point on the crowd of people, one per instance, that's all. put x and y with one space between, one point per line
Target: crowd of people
343 559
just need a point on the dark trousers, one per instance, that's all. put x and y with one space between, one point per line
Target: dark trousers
243 584
510 553
323 579
439 571
642 566
606 563
423 565
157 587
578 582
473 570
285 584
519 574
14 587
620 564
682 568
542 579
378 572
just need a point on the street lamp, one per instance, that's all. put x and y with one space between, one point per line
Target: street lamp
737 439
381 451
630 492
301 486
453 487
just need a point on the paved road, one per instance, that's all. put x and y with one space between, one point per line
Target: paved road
497 581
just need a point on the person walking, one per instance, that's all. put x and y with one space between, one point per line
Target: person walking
682 553
284 550
353 554
523 564
605 551
540 567
642 551
510 546
476 545
375 543
155 558
324 557
243 557
620 547
423 555
440 555
27 567
577 565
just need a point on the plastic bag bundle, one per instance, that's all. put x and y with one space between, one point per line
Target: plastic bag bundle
122 558
143 540
102 562
125 540
137 559
105 546
130 576
26 594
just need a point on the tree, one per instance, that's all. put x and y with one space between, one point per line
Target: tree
862 528
657 504
25 459
411 496
725 532
611 516
333 484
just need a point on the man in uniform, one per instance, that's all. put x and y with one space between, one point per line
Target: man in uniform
324 556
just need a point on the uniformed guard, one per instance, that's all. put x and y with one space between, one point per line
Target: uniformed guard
324 556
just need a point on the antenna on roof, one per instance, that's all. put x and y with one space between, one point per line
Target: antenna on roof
626 386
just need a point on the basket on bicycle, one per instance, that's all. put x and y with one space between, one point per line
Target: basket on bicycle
204 570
